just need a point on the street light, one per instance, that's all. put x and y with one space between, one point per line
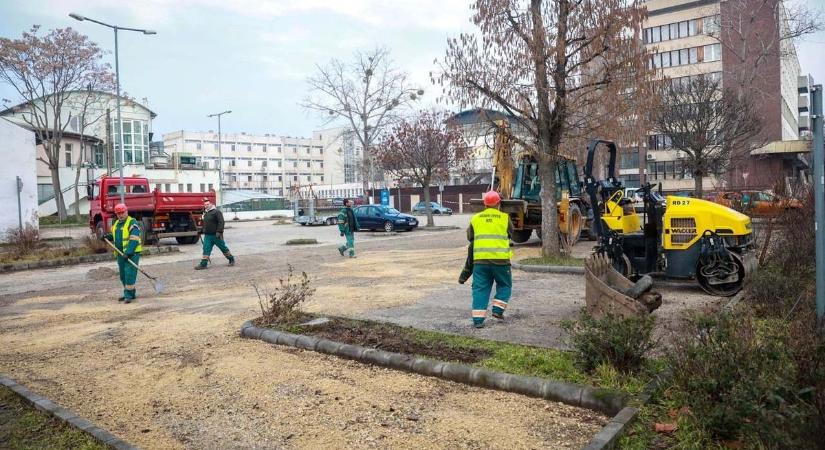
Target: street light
117 84
220 149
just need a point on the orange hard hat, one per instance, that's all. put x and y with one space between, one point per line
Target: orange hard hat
491 198
120 208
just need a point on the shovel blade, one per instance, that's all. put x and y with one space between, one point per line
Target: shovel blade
159 286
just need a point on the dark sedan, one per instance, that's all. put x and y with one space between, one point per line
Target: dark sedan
379 217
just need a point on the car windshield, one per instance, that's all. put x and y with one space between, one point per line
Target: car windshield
392 211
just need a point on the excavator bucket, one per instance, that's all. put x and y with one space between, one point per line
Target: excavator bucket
607 292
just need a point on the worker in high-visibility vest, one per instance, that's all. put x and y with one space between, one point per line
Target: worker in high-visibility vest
490 232
125 235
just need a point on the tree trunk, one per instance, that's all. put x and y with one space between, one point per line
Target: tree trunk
58 195
697 186
549 210
76 181
427 207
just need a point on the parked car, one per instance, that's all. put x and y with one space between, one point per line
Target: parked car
379 217
756 203
437 208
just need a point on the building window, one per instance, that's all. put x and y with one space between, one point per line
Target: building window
198 146
232 162
263 148
263 163
266 178
294 164
180 187
215 146
234 178
713 52
322 178
249 163
711 24
309 177
309 164
233 147
629 160
249 148
280 178
203 187
279 164
167 188
211 187
295 177
322 164
68 154
249 178
658 142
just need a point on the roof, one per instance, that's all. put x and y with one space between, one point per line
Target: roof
783 147
235 196
477 115
67 134
151 113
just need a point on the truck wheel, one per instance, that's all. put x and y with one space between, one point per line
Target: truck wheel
522 236
100 230
330 221
186 240
147 237
388 226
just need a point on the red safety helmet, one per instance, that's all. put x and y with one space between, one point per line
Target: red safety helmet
491 198
120 208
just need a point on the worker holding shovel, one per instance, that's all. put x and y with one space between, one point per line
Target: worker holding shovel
126 237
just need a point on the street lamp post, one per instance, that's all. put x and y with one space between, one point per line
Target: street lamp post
220 150
117 87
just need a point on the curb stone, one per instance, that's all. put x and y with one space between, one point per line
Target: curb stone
64 415
609 435
601 400
100 257
568 270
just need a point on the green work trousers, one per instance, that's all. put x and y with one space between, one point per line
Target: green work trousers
350 244
483 277
128 274
209 241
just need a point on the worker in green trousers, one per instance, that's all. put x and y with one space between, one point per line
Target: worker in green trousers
125 235
490 232
347 226
213 224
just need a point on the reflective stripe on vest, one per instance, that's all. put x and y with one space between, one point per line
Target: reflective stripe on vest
125 234
490 239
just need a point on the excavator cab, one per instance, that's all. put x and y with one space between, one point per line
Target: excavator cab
687 238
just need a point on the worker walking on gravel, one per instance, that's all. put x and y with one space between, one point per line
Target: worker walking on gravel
213 234
490 232
125 235
347 226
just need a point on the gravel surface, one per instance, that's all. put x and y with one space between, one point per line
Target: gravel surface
170 371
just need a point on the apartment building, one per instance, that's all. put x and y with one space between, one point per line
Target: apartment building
689 38
266 163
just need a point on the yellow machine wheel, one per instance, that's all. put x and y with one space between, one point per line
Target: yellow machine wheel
574 227
710 276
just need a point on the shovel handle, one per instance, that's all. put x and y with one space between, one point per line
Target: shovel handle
127 259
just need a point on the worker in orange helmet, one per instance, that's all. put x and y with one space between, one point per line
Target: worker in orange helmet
489 233
125 235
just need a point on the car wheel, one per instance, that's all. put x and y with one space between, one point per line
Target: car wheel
330 221
388 226
437 211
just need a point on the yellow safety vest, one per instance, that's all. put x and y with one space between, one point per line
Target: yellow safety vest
125 234
490 240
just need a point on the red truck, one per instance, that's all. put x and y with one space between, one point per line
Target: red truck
161 214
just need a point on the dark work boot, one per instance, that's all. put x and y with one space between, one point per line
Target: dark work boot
231 261
200 267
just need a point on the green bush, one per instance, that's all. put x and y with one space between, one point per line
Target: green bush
737 375
773 293
622 343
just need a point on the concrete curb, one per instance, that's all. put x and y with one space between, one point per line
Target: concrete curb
609 435
66 416
568 270
72 260
601 400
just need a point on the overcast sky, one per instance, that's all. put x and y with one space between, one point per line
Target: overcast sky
253 56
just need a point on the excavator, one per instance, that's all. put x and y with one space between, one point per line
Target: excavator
516 179
675 237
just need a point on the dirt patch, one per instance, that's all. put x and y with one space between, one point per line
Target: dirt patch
391 338
101 273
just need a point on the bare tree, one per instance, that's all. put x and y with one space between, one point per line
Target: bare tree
44 71
542 61
367 94
422 150
714 127
91 108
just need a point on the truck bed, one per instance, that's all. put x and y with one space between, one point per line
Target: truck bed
166 202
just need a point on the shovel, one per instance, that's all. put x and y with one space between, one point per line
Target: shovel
156 283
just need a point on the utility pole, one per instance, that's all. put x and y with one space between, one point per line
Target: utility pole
220 153
19 207
819 198
109 148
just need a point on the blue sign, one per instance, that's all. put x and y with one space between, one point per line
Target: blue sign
385 197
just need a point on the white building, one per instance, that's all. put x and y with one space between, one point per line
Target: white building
17 145
265 163
89 121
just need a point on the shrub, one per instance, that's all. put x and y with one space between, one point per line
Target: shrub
95 245
23 241
282 305
773 292
737 375
622 343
